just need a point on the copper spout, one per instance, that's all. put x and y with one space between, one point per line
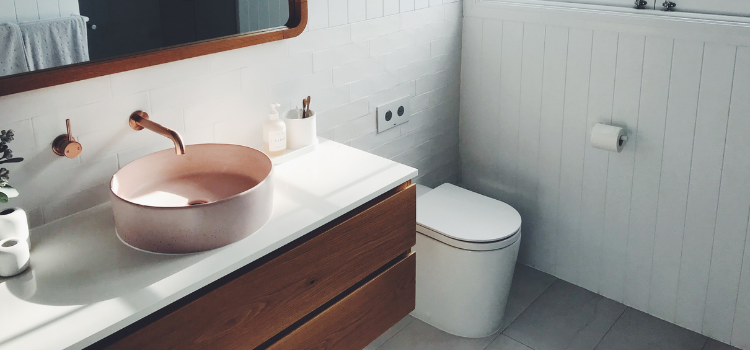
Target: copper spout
139 120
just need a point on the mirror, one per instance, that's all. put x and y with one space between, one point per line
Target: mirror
121 27
50 42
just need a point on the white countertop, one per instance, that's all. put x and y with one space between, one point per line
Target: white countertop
85 284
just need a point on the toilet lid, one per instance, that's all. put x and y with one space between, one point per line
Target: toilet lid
467 216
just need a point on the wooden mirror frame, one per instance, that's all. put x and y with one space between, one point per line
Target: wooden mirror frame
86 70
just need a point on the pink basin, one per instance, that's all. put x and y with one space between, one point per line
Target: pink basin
211 196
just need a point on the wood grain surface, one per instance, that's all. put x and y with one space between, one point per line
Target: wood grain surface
360 317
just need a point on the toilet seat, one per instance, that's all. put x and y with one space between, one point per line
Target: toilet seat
474 246
467 220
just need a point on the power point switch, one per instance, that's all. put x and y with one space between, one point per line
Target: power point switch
392 114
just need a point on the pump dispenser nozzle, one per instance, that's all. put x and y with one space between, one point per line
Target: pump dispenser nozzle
274 114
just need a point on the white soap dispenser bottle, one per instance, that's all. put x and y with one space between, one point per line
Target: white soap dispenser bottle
274 133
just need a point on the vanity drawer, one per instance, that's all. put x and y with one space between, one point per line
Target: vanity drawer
248 307
360 317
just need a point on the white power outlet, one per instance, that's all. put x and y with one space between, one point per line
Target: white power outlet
393 113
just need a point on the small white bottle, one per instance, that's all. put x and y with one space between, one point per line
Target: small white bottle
274 133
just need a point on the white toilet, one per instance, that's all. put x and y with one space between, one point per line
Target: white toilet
467 245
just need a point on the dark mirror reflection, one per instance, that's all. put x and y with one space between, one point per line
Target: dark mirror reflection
54 33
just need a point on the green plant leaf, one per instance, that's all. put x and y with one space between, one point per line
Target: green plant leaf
12 160
3 198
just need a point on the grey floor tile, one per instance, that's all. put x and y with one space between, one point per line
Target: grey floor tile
528 284
565 317
398 327
717 345
421 336
504 343
636 330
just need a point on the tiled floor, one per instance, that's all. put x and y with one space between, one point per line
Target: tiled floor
545 313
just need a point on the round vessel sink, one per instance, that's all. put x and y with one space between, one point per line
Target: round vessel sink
211 196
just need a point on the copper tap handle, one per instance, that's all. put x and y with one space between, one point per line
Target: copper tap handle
65 145
67 126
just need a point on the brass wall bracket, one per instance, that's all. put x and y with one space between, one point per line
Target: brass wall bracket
66 145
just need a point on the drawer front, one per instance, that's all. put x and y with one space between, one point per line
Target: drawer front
360 317
249 309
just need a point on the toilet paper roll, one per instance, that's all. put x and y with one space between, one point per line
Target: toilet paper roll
14 257
608 137
13 224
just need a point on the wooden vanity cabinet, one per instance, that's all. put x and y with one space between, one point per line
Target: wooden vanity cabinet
338 287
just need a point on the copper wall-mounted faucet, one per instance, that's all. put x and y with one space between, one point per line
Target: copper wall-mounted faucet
139 120
66 145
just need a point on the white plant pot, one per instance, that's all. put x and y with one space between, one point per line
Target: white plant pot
14 224
300 132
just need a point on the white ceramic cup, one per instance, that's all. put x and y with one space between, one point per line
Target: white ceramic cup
300 132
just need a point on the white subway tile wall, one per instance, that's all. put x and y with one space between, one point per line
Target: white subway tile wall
406 5
353 56
357 10
391 7
338 12
374 9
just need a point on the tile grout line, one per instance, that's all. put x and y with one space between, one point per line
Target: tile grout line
705 343
532 303
491 341
518 341
524 310
395 334
613 324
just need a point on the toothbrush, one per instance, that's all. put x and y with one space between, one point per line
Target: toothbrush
307 112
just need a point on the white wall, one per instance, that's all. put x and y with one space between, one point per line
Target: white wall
347 64
18 11
661 226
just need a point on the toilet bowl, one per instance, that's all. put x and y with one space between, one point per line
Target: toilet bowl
467 245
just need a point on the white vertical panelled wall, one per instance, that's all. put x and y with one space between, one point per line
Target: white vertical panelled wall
662 226
17 11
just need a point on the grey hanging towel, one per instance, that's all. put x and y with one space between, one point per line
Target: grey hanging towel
55 42
12 57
